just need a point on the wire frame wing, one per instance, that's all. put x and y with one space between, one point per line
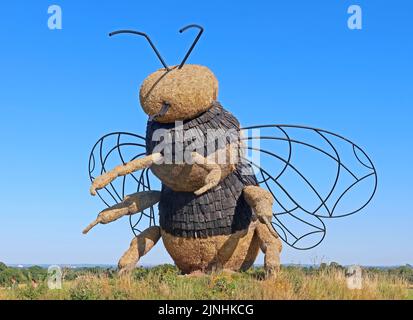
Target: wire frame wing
115 149
312 174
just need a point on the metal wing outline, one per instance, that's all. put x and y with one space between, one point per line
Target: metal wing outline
115 149
325 203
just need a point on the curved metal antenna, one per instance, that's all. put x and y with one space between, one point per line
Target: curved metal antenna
147 38
195 42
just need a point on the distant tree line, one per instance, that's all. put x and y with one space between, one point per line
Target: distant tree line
10 276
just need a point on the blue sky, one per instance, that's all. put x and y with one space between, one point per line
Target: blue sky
277 61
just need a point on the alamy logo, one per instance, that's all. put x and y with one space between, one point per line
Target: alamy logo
55 19
354 278
54 278
215 146
355 21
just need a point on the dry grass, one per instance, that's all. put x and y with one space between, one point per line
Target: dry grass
167 284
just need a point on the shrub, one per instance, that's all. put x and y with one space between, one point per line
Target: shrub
85 288
28 292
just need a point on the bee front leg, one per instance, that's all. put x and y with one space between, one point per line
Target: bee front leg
132 204
139 246
123 170
214 172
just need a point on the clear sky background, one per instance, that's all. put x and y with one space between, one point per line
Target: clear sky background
277 61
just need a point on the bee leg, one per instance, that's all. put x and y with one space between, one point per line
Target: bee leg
123 170
132 204
261 202
271 247
214 172
139 246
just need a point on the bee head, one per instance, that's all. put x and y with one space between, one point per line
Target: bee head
180 92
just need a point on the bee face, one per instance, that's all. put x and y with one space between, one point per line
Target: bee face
178 94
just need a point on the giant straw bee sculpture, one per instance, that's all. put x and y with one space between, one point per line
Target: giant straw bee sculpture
217 206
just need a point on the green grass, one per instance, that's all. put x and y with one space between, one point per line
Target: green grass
164 282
